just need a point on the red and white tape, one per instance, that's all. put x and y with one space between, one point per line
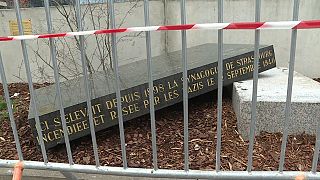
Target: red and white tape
312 24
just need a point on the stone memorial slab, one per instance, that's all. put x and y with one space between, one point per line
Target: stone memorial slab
271 102
167 74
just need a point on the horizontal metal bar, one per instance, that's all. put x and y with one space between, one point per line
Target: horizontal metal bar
165 173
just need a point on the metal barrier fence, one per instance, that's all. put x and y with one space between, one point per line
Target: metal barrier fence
155 171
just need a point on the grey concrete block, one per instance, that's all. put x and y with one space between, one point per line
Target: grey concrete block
272 93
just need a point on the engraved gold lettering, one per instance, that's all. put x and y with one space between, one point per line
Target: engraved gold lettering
45 124
98 107
50 136
156 100
83 112
79 127
77 115
171 95
98 120
146 103
210 82
56 122
85 124
57 134
113 115
229 65
173 84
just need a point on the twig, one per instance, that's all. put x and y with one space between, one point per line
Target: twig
193 140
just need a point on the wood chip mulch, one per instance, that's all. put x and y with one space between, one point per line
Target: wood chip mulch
169 124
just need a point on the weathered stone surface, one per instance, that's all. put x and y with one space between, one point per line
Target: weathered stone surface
272 92
167 73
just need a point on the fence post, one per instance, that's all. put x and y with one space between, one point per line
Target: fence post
10 111
255 87
87 83
220 85
57 81
151 93
29 77
289 88
185 86
117 84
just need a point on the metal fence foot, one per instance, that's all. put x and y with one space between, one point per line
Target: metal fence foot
69 175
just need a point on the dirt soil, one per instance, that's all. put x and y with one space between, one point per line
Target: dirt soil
169 124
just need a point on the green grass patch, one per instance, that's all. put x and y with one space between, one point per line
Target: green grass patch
3 109
3 112
3 104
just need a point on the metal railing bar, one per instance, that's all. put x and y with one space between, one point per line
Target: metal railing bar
10 111
57 81
165 173
29 77
316 151
289 87
87 83
185 86
151 93
220 85
255 87
117 83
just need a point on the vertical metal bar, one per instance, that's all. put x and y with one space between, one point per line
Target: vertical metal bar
151 94
117 81
289 87
185 86
316 151
165 22
255 87
10 111
56 78
29 77
87 83
220 84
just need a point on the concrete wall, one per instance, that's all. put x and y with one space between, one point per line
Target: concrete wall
131 46
168 12
204 11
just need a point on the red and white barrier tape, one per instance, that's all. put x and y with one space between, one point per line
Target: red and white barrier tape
240 25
